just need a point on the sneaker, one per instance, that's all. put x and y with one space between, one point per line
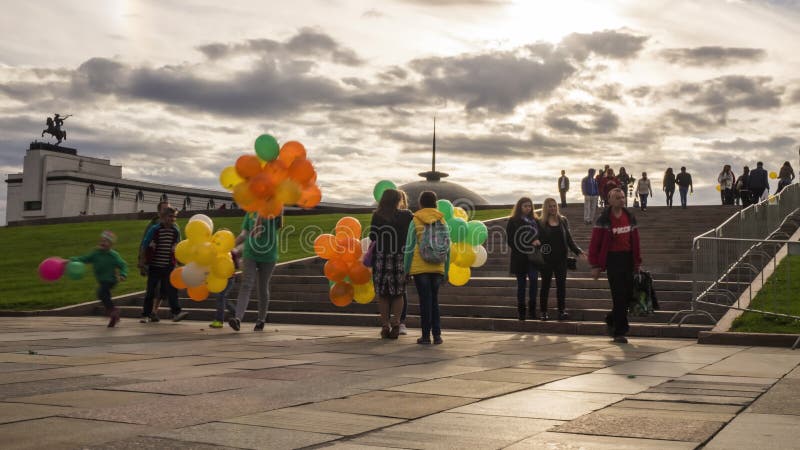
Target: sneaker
153 318
563 315
180 316
113 318
437 340
545 316
394 332
215 324
424 341
403 330
259 326
144 319
235 323
385 332
620 339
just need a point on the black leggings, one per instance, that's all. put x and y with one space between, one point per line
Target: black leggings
670 193
561 287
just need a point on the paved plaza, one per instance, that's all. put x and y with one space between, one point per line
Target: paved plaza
73 383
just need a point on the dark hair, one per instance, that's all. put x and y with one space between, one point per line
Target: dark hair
427 199
516 212
388 204
683 168
160 204
168 211
759 164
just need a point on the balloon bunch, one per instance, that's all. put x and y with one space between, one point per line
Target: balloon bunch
53 268
273 177
467 238
344 251
207 258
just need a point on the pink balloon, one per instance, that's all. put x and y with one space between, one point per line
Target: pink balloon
52 268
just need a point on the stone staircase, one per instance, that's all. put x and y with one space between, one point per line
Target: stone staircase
488 301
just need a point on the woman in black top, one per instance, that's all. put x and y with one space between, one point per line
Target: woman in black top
556 243
668 185
388 230
522 234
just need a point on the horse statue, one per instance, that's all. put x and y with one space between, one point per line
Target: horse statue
54 128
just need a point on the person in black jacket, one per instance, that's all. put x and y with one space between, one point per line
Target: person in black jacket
556 242
743 188
668 185
389 229
563 187
522 234
758 183
684 182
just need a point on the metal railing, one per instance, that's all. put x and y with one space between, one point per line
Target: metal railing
746 248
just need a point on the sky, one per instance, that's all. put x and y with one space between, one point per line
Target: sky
174 91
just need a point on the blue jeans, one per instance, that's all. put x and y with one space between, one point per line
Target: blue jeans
222 298
428 290
643 201
104 294
532 275
159 276
683 191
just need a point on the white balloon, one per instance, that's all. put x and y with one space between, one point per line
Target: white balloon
480 256
365 245
194 274
205 219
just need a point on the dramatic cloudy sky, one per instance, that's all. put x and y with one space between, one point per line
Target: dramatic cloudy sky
176 90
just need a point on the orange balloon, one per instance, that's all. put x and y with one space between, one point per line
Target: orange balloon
309 197
292 151
270 208
311 182
341 294
261 185
325 246
277 171
301 171
358 273
335 270
288 192
198 293
248 166
349 250
176 278
348 228
242 194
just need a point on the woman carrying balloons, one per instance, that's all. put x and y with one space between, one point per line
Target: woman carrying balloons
260 237
522 234
556 242
388 231
109 268
427 259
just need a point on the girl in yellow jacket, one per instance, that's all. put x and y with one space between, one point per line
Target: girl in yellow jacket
427 276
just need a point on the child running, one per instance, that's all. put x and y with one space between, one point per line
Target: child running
109 269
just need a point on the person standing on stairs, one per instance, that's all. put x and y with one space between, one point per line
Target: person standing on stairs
668 185
522 235
563 187
615 248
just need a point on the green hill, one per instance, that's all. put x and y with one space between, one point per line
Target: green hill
25 247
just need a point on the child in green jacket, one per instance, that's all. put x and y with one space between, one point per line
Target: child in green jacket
109 268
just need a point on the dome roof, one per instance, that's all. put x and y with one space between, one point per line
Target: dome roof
459 195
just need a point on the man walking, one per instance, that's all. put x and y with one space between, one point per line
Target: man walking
563 187
615 248
758 183
590 193
684 182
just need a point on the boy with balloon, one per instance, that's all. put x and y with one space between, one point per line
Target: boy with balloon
158 255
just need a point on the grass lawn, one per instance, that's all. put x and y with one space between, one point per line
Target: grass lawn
25 247
778 296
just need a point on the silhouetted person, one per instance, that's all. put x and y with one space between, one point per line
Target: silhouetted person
684 182
563 187
758 183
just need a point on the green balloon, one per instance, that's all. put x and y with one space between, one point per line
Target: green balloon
382 186
458 229
75 270
446 208
476 232
267 147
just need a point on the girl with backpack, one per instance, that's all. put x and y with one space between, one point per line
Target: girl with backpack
522 234
427 259
388 231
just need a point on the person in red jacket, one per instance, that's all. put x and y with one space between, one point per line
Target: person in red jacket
614 247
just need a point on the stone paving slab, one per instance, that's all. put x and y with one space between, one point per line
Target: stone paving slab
424 371
761 431
554 369
752 364
304 418
15 412
764 381
667 389
511 375
454 430
28 376
404 405
290 373
570 441
698 354
783 398
60 385
153 443
718 386
712 399
6 367
663 424
652 368
196 386
678 406
247 436
89 398
61 432
541 404
604 383
461 388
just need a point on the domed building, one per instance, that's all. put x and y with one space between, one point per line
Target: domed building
459 195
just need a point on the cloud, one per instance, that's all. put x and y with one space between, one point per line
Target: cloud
712 55
579 118
487 146
459 3
609 43
690 122
720 95
776 143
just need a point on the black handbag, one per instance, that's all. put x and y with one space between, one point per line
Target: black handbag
536 257
572 263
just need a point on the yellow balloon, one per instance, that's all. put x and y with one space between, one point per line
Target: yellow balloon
216 284
223 266
462 254
198 231
719 188
205 254
458 276
184 252
364 293
773 175
229 178
460 213
288 192
223 241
